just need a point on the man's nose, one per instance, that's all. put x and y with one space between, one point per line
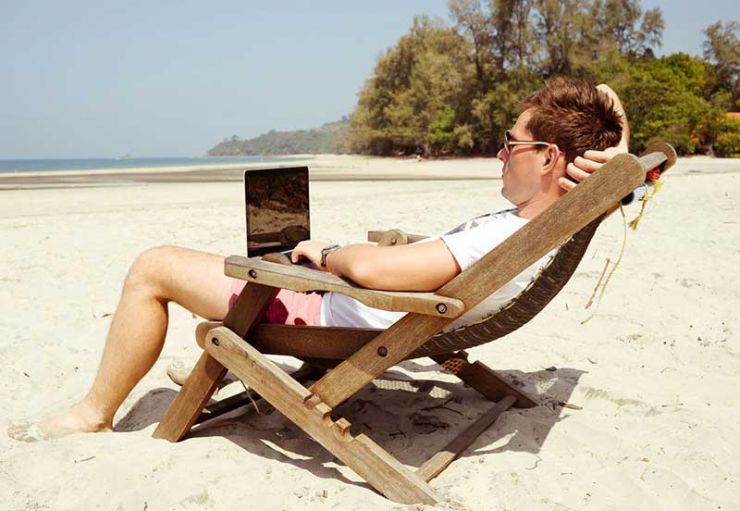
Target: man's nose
501 155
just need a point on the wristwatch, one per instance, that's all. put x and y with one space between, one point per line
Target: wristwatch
326 251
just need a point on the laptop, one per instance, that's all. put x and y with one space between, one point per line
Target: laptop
277 209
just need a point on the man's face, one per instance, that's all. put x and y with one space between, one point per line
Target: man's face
522 173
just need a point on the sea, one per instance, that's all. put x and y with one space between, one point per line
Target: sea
51 165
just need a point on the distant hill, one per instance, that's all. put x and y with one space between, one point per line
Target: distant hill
329 138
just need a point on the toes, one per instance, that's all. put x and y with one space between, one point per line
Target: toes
26 432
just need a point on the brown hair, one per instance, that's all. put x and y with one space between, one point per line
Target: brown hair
575 115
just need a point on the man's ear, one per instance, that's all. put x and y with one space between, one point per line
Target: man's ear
552 156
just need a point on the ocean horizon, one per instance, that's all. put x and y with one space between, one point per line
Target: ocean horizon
94 164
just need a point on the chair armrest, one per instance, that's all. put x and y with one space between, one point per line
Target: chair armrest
393 237
301 278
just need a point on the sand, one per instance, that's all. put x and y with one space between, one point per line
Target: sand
653 377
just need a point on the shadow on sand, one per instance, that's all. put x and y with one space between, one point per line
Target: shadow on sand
412 419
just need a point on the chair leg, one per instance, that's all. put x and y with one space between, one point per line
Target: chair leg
201 384
187 406
360 453
483 379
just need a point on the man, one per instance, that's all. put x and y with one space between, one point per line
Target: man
555 135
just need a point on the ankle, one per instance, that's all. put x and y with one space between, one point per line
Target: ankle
94 417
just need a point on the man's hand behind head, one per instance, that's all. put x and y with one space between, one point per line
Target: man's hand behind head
584 166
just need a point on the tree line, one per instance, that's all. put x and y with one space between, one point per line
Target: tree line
329 138
453 88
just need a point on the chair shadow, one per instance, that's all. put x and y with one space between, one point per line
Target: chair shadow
412 419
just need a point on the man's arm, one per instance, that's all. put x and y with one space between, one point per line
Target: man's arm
414 267
584 166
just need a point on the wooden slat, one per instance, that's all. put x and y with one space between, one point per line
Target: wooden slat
201 384
437 463
559 222
300 278
360 453
653 151
310 341
202 329
483 379
301 341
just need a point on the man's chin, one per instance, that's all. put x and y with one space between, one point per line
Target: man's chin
505 194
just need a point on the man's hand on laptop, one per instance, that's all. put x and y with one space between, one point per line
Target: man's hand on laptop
309 249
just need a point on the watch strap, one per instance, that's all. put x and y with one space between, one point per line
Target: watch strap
325 252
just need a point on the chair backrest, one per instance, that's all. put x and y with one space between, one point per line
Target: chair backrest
524 306
558 272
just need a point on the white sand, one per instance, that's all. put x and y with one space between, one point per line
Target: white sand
655 372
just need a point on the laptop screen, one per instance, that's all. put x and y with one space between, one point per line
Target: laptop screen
277 209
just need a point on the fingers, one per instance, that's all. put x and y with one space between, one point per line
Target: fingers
582 167
597 156
566 184
580 170
310 250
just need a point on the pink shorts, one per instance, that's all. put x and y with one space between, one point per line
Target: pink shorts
287 308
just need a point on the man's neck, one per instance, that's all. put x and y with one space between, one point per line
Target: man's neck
532 208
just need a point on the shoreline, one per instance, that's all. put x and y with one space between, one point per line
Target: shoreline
322 168
326 167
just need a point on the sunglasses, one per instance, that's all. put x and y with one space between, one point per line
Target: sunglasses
509 141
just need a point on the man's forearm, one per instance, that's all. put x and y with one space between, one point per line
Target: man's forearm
414 267
349 261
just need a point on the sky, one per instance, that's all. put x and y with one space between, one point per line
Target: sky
84 78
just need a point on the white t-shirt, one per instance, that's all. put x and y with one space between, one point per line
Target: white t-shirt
467 243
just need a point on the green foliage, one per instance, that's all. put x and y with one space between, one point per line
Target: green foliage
417 97
663 99
329 138
722 48
727 138
447 89
454 89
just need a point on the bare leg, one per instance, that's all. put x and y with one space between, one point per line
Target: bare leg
192 279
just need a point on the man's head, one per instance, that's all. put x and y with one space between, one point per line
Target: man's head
565 119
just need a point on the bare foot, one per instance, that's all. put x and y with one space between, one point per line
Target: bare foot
81 418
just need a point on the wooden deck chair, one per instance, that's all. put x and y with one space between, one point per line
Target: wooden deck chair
240 343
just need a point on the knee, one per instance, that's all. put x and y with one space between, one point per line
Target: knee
150 271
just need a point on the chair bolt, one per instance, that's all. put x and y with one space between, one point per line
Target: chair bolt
215 342
441 308
253 274
382 351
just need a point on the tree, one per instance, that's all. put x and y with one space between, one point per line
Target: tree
417 97
664 99
722 48
454 89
